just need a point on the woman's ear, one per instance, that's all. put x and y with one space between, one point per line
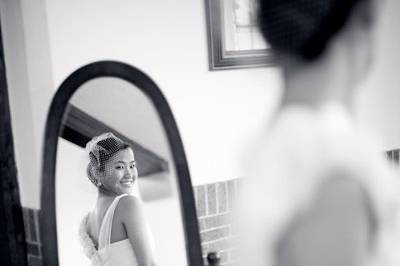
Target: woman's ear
99 175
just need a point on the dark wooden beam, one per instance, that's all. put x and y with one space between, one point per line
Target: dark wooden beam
80 127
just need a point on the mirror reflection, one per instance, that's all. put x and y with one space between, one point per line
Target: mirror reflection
116 186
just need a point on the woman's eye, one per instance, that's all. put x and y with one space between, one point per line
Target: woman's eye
133 166
119 167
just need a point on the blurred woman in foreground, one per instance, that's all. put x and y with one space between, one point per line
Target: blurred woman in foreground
319 192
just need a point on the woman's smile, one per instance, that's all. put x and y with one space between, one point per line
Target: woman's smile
127 182
121 172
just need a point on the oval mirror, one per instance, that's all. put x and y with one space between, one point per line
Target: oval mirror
116 186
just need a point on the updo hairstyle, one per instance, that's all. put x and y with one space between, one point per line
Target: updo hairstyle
303 28
100 149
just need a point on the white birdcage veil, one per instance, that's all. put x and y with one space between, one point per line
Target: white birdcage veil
100 149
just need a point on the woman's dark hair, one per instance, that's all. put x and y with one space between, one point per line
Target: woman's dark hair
303 27
101 151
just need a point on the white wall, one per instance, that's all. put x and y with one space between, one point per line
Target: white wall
379 102
216 112
75 197
30 83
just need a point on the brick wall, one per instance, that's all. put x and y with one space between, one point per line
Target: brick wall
214 209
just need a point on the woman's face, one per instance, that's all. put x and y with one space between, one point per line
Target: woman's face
120 172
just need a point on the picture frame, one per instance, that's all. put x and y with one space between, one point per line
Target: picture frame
234 40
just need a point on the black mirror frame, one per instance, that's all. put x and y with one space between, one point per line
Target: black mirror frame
48 226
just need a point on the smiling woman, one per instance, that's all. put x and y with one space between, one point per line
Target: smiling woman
112 165
115 231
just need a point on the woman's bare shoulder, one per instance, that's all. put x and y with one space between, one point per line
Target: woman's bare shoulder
128 207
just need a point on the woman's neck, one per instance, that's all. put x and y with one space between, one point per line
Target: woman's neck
318 83
105 195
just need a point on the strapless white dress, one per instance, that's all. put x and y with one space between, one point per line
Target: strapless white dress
108 254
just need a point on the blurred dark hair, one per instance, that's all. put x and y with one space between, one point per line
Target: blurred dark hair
303 27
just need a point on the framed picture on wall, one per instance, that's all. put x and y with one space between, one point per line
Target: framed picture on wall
233 36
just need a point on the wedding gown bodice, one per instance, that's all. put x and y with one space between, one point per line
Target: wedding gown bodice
107 254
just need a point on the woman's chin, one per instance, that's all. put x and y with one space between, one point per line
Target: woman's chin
127 190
